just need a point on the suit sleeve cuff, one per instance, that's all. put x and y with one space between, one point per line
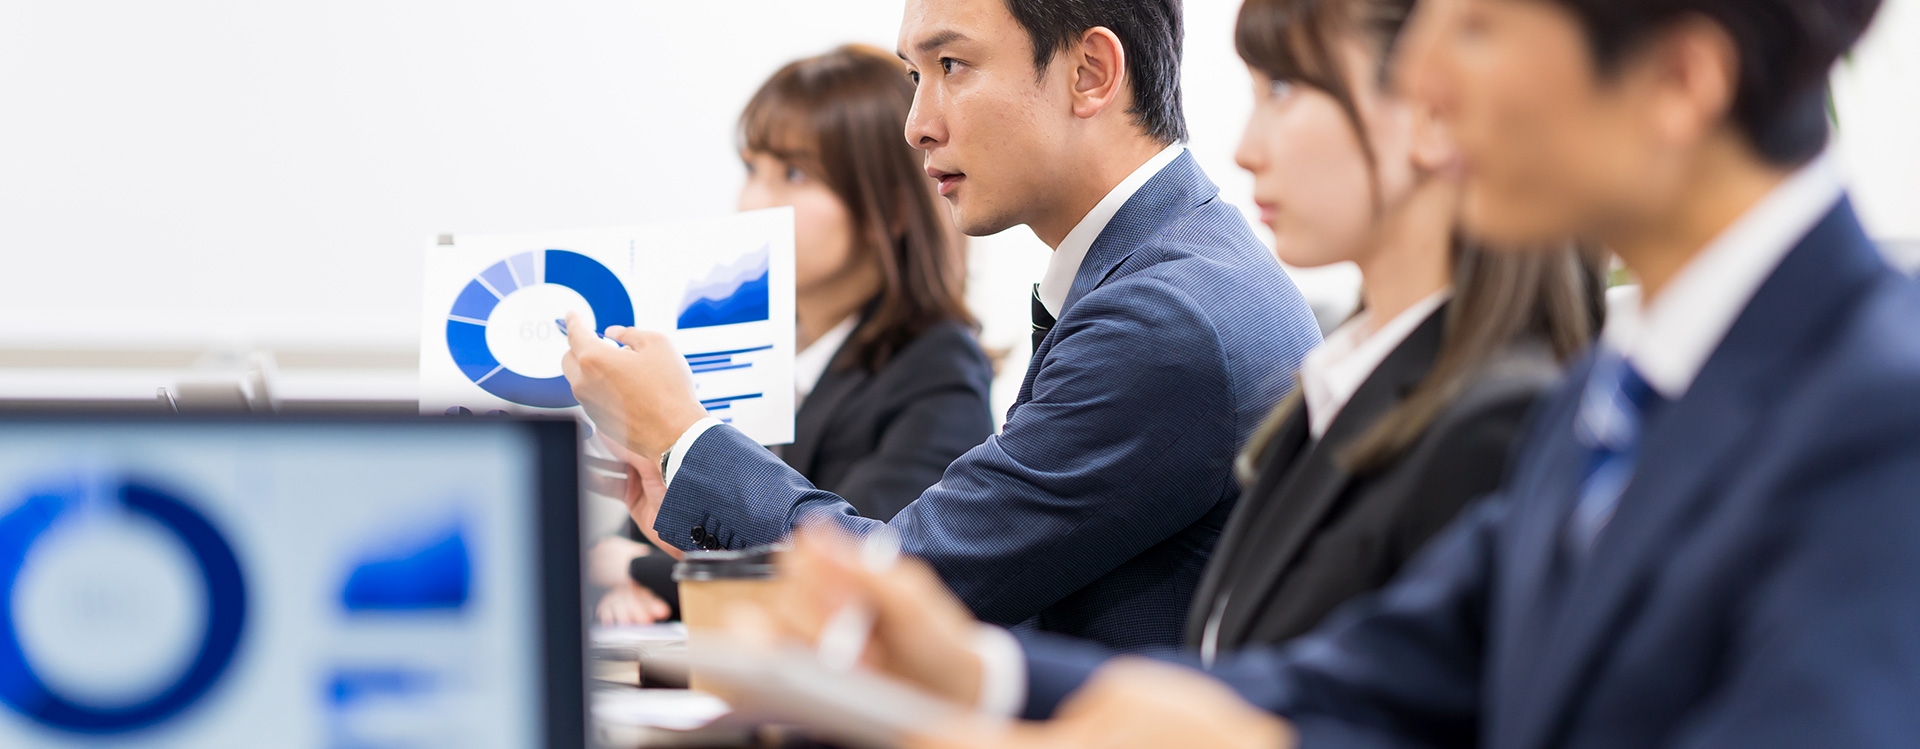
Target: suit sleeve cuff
1003 672
680 447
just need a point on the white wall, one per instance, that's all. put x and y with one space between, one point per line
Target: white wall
1877 95
201 169
268 170
207 172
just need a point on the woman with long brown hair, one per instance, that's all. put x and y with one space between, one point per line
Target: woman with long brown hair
1408 411
890 382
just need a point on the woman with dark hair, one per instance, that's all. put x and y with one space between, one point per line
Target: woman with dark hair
1408 411
890 383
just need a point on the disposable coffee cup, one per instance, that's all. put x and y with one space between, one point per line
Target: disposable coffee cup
711 582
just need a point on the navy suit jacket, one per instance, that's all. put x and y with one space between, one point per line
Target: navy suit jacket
1093 512
1758 585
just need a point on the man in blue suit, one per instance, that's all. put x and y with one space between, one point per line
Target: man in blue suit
1712 537
1164 332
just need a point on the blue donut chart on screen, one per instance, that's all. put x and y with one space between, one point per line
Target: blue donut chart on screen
467 322
24 691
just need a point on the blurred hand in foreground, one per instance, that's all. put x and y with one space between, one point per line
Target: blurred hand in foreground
609 560
921 633
640 396
630 603
1131 702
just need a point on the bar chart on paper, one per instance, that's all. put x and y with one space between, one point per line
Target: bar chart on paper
721 289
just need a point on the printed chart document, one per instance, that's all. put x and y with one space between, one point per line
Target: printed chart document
721 289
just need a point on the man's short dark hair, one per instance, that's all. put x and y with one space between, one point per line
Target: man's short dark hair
1150 32
1786 49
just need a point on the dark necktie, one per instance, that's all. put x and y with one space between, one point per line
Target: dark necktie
1612 410
1042 319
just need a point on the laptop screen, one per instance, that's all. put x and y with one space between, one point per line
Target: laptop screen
297 583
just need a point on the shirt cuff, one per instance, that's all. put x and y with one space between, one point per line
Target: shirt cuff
680 447
1003 672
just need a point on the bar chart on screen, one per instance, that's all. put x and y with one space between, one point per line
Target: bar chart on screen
721 289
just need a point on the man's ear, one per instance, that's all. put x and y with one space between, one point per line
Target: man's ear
1099 75
1691 73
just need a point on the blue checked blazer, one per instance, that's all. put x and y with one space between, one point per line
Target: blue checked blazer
1758 585
1093 512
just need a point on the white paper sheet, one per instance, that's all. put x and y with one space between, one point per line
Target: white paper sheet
671 709
639 634
721 288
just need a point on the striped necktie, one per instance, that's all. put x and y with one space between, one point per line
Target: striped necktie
1042 319
1616 403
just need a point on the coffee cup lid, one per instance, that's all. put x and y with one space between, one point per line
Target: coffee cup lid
747 564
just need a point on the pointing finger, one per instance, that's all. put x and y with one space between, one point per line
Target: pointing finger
579 335
633 338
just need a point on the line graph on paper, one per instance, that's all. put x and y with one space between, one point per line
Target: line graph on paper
731 294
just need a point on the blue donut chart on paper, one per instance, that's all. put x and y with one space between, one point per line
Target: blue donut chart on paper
467 321
25 692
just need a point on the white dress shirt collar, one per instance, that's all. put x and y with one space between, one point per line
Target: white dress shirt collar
811 363
1066 260
1668 339
1335 370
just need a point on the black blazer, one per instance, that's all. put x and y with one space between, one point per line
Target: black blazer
1308 536
879 439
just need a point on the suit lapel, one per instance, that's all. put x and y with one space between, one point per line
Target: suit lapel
1687 445
1276 463
1289 517
1178 188
1550 478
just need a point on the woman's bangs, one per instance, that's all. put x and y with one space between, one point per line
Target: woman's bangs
1285 40
780 126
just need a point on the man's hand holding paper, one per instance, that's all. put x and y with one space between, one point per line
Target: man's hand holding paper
641 396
